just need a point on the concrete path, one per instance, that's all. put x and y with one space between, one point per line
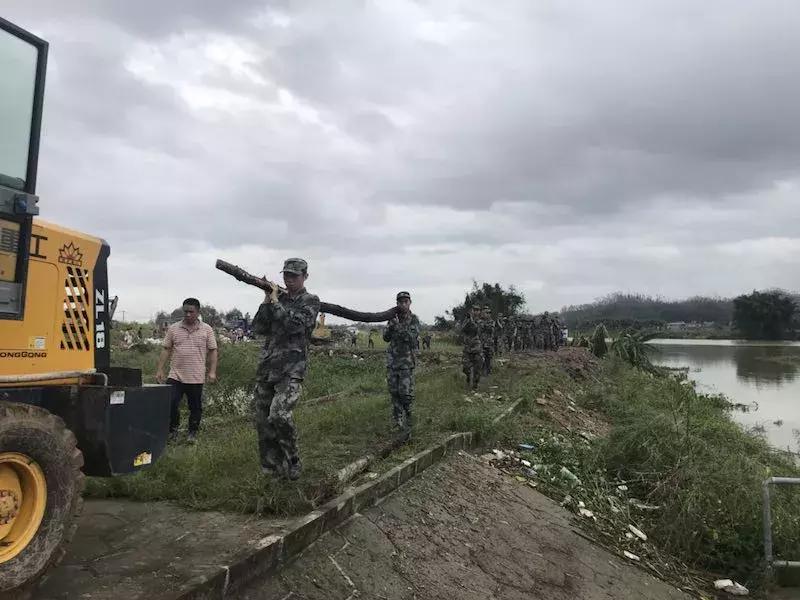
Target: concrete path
127 550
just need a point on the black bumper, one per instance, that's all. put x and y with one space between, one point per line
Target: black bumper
120 429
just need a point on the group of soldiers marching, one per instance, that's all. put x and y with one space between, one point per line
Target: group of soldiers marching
287 317
485 335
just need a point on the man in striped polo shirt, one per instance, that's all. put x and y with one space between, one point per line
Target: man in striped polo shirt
192 346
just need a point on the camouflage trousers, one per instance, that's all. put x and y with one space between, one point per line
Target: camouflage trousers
401 392
277 434
472 365
487 360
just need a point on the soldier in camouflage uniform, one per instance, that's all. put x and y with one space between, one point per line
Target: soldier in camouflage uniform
472 356
547 331
538 333
499 328
402 334
556 327
287 321
487 338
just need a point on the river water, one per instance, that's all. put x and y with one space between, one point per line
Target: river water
764 375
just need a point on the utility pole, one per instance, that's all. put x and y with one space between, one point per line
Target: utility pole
123 315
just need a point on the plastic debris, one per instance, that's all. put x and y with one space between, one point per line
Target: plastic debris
586 513
541 402
638 533
569 476
527 463
731 587
642 506
531 473
622 488
526 447
520 478
629 535
499 454
630 555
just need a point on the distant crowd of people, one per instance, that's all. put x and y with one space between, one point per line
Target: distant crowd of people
485 335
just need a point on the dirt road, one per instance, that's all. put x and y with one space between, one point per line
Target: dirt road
460 530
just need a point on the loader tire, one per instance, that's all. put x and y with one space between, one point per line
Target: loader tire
50 453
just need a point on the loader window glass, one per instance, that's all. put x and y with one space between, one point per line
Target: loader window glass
17 84
9 247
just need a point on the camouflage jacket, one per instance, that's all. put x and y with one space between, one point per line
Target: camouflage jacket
486 331
288 325
498 329
402 337
470 331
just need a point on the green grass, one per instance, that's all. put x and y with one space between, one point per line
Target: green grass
676 449
222 470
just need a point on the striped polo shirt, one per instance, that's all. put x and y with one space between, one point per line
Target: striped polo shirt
190 346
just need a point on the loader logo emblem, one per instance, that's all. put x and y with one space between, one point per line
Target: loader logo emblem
145 458
70 254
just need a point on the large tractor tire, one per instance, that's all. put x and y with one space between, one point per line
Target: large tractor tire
40 494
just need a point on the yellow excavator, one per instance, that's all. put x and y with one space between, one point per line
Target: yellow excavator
64 411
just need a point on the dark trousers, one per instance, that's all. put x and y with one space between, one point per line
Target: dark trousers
194 398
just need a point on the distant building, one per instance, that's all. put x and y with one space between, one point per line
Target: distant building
676 325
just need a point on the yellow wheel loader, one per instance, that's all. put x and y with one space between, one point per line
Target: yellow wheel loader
64 411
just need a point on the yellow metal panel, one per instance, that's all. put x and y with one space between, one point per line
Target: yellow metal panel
53 321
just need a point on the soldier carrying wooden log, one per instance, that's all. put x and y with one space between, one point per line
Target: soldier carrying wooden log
287 317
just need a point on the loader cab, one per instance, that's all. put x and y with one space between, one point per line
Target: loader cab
23 59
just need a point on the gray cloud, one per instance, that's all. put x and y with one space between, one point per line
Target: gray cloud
569 148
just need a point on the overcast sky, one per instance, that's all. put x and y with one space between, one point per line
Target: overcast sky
570 148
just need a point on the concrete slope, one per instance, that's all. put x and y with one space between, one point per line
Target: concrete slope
459 530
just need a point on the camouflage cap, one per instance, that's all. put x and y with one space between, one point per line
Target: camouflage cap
295 265
403 295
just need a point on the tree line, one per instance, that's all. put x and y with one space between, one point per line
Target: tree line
642 311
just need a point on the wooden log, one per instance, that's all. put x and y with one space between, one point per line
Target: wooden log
324 307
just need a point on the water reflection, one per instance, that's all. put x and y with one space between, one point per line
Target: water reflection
765 374
758 364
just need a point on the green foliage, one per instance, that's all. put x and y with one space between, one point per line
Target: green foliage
506 301
638 311
765 315
442 324
683 452
632 347
599 346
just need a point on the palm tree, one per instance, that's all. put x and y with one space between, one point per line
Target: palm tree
599 346
633 348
